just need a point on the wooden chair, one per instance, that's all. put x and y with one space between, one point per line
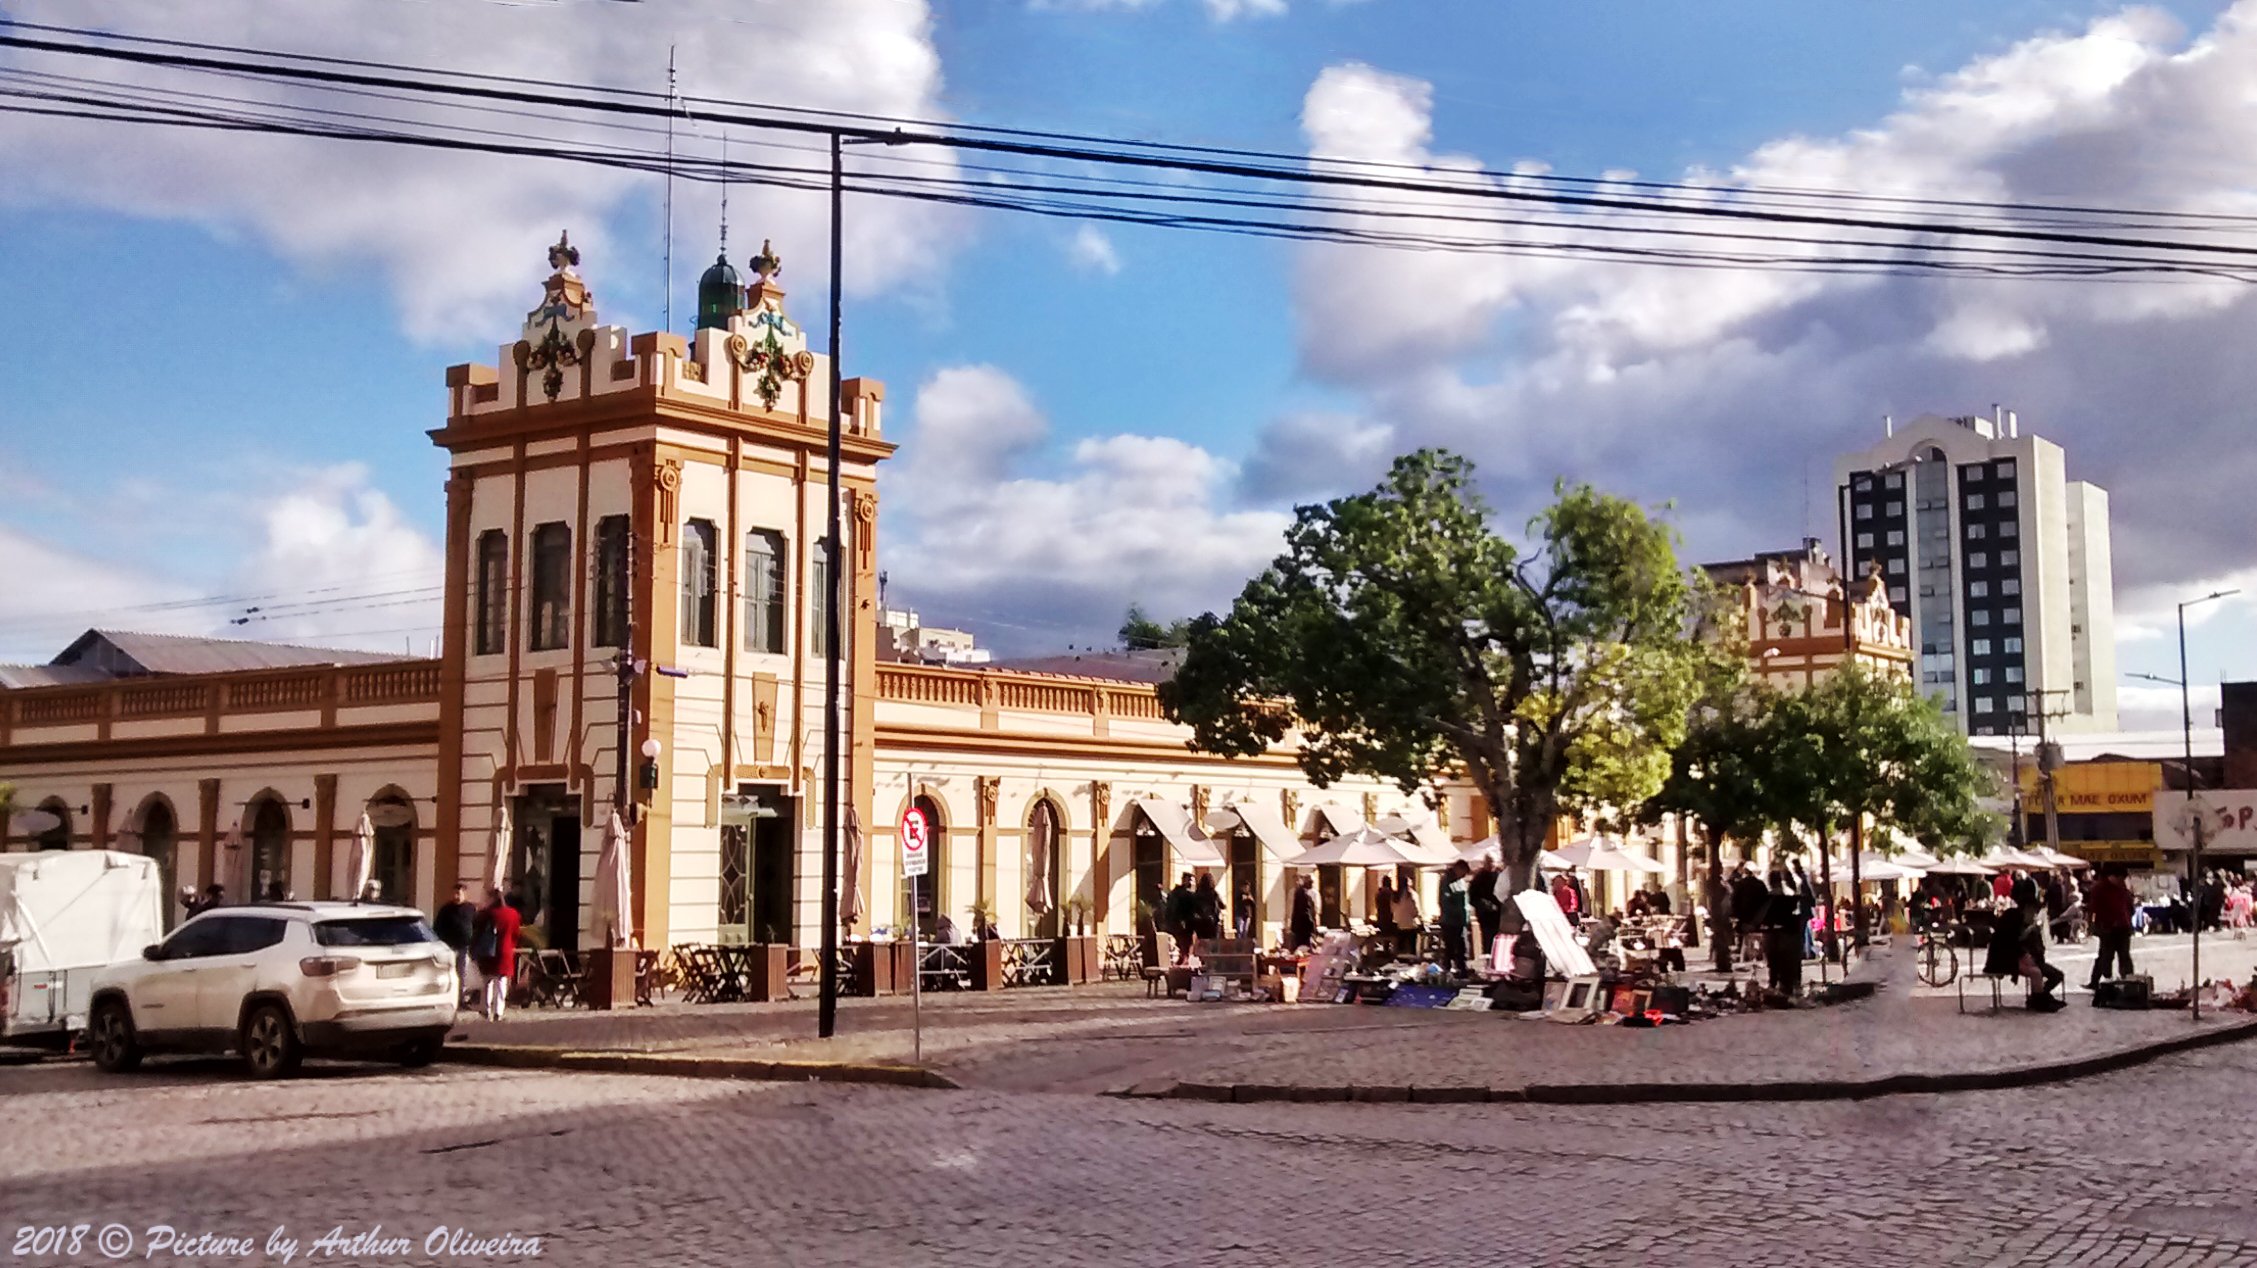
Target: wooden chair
1157 972
564 983
1120 957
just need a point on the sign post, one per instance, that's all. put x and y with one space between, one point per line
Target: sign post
916 860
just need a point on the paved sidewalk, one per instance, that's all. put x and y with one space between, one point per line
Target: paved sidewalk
1111 1038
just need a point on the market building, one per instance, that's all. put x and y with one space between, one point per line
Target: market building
660 498
1803 619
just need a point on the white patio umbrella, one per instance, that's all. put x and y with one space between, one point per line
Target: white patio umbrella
360 858
1596 854
2003 857
1486 847
1958 867
1426 837
497 848
1365 847
614 898
2055 858
1873 867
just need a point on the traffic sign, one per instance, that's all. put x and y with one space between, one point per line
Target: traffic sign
916 858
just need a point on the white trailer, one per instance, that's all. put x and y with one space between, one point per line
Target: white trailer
64 914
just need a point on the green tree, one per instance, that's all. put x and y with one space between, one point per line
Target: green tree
1140 632
1722 776
1862 749
1407 640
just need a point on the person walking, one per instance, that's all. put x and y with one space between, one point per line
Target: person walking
1806 896
1182 906
455 922
1751 901
2109 907
1301 925
1564 893
1784 929
1409 920
1242 919
1383 912
1488 908
494 945
1206 912
1457 916
2056 907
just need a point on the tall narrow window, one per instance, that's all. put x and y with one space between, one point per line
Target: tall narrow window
763 591
552 587
492 617
611 581
818 592
698 554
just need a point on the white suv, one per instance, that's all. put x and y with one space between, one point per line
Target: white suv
277 981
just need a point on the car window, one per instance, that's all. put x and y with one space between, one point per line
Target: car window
253 933
198 938
373 931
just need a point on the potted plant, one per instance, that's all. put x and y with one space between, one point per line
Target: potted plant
1077 950
986 952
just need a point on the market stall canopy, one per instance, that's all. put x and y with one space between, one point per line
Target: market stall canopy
1597 854
1339 820
1268 828
2055 858
1365 847
1429 838
1488 847
1873 868
1173 822
1958 867
2003 857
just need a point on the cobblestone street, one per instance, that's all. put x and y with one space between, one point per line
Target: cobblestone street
2142 1167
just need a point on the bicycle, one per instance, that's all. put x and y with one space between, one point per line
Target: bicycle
1934 960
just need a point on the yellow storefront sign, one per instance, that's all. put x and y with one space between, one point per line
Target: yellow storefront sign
2099 788
2129 853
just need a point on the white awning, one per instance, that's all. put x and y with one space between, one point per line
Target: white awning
1431 839
1174 824
1365 847
1340 819
1267 826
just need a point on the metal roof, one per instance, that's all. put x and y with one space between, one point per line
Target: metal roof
127 654
1148 667
49 675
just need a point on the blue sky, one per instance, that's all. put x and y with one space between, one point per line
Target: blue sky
224 359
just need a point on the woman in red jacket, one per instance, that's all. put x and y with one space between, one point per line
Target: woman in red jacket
493 943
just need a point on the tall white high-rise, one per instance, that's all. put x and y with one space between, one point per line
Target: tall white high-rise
2000 561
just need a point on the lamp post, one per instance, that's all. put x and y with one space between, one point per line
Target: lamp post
2186 772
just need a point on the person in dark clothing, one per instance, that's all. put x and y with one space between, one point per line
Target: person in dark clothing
1783 928
1488 909
454 923
2109 906
1657 901
2018 939
1242 916
2056 906
2213 903
1182 905
1751 898
1383 911
1807 896
1457 916
1301 927
214 896
1206 910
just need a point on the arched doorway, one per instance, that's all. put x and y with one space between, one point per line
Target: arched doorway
270 850
159 833
1044 861
57 836
1149 862
932 890
392 862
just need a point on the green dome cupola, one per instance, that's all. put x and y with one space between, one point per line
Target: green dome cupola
720 295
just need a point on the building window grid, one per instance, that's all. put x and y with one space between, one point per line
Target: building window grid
491 624
765 591
699 549
610 562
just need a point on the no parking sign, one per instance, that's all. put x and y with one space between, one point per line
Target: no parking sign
916 859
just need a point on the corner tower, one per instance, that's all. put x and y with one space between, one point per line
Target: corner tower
664 499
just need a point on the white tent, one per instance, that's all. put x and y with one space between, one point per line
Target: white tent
1428 838
1365 847
1596 854
1269 828
1957 867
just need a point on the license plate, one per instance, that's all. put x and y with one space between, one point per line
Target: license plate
395 970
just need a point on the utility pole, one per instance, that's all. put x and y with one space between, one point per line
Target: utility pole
827 1017
2049 760
627 670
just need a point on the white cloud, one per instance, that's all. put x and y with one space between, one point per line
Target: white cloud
2143 706
1721 389
1219 10
1092 252
456 235
1036 562
1230 10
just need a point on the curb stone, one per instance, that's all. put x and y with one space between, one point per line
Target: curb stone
1654 1093
526 1057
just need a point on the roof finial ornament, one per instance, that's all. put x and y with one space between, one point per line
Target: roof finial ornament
767 264
564 255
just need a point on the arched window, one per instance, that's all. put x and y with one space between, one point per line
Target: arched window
699 547
491 618
57 835
763 591
552 587
611 582
392 866
159 832
1044 861
270 851
932 889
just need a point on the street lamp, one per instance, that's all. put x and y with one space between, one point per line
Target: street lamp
2186 772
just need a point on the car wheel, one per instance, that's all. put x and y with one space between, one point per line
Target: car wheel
270 1043
418 1053
110 1035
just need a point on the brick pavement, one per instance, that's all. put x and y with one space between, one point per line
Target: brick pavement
2131 1168
1111 1037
